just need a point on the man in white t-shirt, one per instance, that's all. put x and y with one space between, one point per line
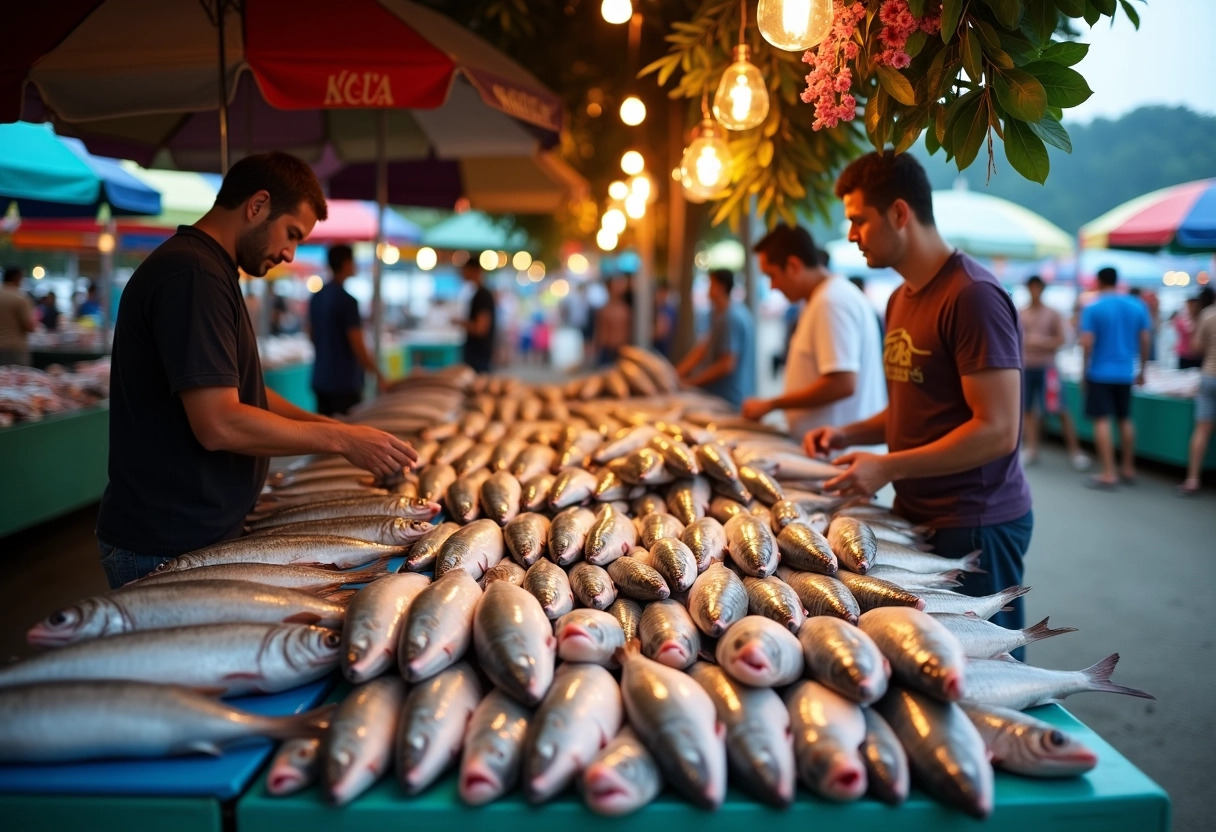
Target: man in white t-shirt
833 373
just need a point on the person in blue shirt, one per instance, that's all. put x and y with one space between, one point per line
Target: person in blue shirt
723 363
337 336
90 306
1115 330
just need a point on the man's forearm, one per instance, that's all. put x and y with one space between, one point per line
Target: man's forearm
281 407
824 390
244 429
718 370
872 431
692 359
970 445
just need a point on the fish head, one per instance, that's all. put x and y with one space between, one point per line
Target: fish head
345 778
691 771
307 646
763 771
482 777
833 772
617 788
1055 752
87 619
944 679
674 652
422 508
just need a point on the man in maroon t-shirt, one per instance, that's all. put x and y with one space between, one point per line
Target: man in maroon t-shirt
953 361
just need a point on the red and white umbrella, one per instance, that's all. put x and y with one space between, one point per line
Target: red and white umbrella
1181 218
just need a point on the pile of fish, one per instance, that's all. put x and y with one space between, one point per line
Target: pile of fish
629 589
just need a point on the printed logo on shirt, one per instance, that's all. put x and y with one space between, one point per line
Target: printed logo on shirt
897 354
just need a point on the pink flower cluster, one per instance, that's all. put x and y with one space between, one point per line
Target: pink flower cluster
898 26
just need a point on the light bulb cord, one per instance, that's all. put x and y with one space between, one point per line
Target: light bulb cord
742 22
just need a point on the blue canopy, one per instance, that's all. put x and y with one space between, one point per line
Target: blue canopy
52 177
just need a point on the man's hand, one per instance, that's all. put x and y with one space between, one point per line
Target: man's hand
822 440
756 409
374 450
864 476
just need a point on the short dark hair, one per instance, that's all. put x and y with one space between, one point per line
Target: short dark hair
13 274
1035 280
883 178
724 278
784 242
1107 276
289 181
339 255
1206 297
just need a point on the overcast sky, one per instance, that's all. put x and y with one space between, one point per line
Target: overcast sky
1171 60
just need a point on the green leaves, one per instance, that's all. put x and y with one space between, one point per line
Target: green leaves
1021 94
1067 53
1072 8
951 10
1026 151
1052 132
1008 12
1130 11
1065 86
966 126
896 85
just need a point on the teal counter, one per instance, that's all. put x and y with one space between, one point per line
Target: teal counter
294 383
1114 797
52 466
1163 425
111 814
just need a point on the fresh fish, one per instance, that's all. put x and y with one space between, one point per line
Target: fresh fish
609 486
438 626
677 721
806 550
828 731
474 458
751 545
435 480
842 657
590 636
85 720
577 449
706 539
451 449
551 586
359 745
773 598
493 749
568 534
297 550
639 380
628 614
500 497
140 607
635 579
422 555
592 586
515 643
1011 684
787 465
527 538
643 467
675 562
924 655
678 458
229 658
984 640
505 453
622 778
625 444
759 747
579 715
473 423
716 462
854 544
821 594
784 512
766 489
295 766
916 581
717 600
653 527
723 508
984 606
1031 747
902 557
658 368
494 433
535 495
374 620
758 651
573 486
945 751
888 776
303 578
649 503
689 500
535 459
668 634
473 549
875 592
431 730
463 497
610 536
374 528
505 570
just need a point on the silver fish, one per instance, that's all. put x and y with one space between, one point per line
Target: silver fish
853 542
637 580
717 462
374 620
463 497
643 467
984 606
828 730
653 527
84 720
806 550
438 626
422 555
1012 684
672 559
535 495
626 443
902 557
678 458
821 594
577 450
473 549
374 528
649 503
983 640
551 586
506 570
668 634
842 657
924 655
888 775
591 636
751 545
359 745
304 578
723 508
784 512
774 598
299 550
568 534
505 453
766 489
759 746
431 730
515 643
295 766
475 457
535 459
1031 747
609 486
435 480
610 536
717 600
875 592
689 500
622 778
706 539
451 449
493 749
592 586
945 751
573 486
527 538
629 614
579 715
916 581
758 651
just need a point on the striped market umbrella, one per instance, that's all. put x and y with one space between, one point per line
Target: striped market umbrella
1180 218
988 226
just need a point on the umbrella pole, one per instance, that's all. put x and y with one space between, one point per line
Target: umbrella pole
221 8
106 280
382 206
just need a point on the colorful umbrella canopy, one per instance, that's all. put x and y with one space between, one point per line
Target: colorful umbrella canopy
988 226
1180 218
51 177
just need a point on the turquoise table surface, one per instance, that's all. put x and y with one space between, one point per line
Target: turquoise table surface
294 383
52 466
1115 796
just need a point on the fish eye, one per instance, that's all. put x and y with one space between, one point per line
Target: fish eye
332 639
1056 739
62 617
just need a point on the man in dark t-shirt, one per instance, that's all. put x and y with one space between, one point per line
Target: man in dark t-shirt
953 361
479 326
191 422
337 337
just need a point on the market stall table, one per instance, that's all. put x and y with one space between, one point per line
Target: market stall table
293 382
1115 796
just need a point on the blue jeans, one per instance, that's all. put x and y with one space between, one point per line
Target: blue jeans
1002 548
123 566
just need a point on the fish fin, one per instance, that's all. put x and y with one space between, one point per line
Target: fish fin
302 618
340 596
1040 631
204 747
971 562
631 648
1004 657
1099 678
312 723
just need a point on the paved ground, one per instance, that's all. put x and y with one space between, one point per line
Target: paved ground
1133 570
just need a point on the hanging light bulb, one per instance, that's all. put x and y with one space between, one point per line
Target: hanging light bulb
618 190
633 111
617 11
635 206
741 101
633 163
705 165
614 221
605 239
794 25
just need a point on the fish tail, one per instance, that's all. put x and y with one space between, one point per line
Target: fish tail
340 596
1012 593
631 648
377 569
971 562
312 723
1040 631
1099 675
